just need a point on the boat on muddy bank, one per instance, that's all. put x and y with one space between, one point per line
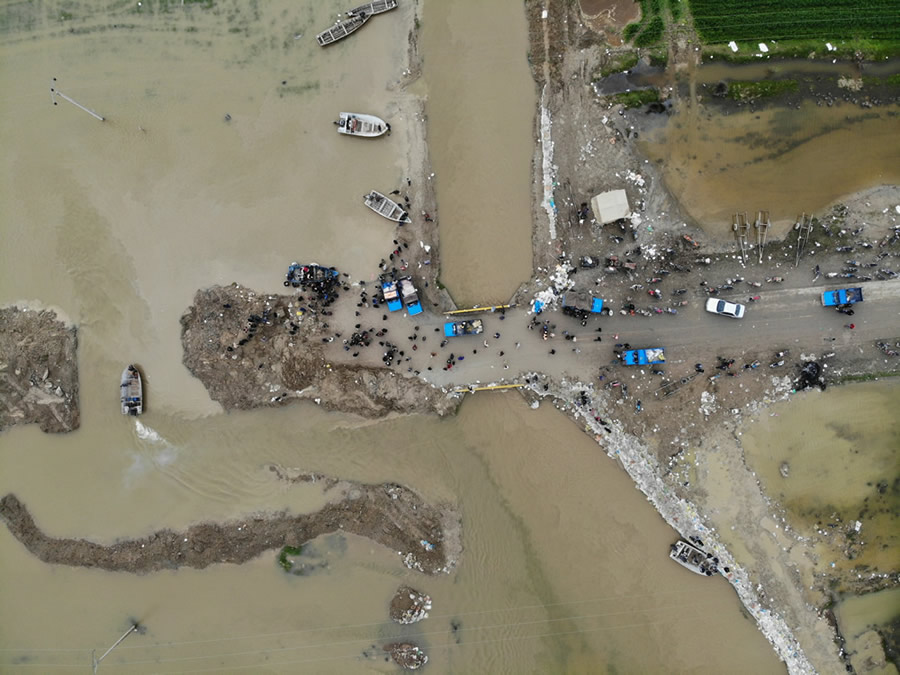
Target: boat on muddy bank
341 29
356 17
132 392
692 558
385 207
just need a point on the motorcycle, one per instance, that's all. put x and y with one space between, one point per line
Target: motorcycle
774 280
776 364
671 310
753 298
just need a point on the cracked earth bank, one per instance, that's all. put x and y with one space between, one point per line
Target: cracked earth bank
38 370
427 537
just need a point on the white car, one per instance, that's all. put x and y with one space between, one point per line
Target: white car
725 308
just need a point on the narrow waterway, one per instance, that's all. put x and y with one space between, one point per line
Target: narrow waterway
481 107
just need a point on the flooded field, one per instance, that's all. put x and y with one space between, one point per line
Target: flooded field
839 453
784 159
482 158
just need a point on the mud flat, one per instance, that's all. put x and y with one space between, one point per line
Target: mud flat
274 366
38 370
427 537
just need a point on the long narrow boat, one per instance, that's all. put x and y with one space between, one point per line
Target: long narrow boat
341 29
132 392
386 207
360 124
376 7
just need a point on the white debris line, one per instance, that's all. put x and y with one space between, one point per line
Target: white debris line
559 282
681 515
547 165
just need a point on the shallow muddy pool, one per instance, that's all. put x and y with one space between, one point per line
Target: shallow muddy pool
863 621
830 459
778 159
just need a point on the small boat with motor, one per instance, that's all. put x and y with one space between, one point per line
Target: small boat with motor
131 392
693 558
361 124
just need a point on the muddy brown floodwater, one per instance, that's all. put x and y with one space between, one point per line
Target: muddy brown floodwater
780 159
564 565
480 108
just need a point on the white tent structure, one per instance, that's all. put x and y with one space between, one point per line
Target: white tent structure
610 206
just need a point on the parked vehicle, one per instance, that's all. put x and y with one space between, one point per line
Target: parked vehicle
391 291
410 296
644 357
842 296
457 328
725 308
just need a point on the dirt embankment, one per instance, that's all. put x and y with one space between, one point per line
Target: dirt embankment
427 536
282 359
38 370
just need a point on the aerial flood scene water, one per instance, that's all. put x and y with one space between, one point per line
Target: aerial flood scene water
470 337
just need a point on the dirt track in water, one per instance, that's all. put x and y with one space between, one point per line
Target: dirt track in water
283 359
388 514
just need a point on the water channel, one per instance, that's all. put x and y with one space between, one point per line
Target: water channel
565 566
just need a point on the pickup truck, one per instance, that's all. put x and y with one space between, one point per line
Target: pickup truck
842 296
582 302
392 295
410 296
457 328
644 357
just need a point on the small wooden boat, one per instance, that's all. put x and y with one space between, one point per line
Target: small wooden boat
132 392
360 124
372 8
386 207
693 558
341 29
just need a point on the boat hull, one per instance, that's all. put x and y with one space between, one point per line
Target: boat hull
131 392
360 124
387 208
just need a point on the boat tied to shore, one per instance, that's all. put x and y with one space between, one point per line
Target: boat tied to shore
341 29
693 558
131 392
355 20
361 124
385 207
372 8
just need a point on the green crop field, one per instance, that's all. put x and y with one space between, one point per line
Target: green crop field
720 21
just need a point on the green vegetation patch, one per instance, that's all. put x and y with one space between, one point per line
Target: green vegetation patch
635 99
649 30
749 90
284 559
618 63
719 21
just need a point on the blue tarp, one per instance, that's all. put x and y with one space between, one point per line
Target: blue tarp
596 305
